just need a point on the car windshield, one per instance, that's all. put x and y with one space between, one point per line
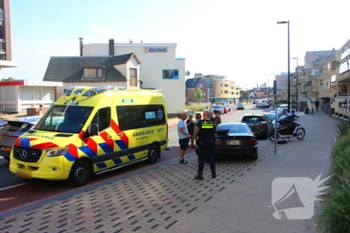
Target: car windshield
234 128
239 104
252 118
64 118
16 126
218 107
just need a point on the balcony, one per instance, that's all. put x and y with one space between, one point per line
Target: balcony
341 106
306 88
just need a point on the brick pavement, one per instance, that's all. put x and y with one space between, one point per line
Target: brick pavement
168 199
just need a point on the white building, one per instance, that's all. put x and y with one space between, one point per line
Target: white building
159 68
18 95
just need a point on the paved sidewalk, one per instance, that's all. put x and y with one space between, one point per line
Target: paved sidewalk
167 198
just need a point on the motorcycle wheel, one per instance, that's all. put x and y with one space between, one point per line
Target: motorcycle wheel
300 133
272 137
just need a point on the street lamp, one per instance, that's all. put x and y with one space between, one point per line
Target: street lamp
287 22
297 84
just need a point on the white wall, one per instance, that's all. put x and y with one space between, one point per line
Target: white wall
152 64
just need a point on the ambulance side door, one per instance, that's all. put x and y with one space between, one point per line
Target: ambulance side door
131 123
100 147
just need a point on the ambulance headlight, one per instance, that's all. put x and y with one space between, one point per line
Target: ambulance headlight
57 152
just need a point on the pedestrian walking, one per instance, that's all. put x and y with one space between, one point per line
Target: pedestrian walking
184 136
317 103
217 118
205 130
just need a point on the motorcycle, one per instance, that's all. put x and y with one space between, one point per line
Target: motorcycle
286 130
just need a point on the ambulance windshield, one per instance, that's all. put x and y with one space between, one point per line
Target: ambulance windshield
64 118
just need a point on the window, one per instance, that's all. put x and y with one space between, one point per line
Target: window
221 92
170 74
200 85
140 116
133 77
226 92
93 73
102 118
220 84
226 85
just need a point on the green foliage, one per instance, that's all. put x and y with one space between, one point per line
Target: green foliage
199 94
334 214
196 108
342 127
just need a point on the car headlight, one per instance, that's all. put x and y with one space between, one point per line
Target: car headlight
57 152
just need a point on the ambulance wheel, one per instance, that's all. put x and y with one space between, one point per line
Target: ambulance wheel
153 154
80 173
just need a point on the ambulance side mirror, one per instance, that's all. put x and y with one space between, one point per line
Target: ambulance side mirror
93 130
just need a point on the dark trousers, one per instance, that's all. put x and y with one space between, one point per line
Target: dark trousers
206 151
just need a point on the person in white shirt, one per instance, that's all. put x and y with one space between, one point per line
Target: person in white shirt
295 119
184 136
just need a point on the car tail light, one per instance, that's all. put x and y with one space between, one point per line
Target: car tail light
219 143
263 125
250 142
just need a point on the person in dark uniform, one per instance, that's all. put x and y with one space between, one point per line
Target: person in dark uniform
205 130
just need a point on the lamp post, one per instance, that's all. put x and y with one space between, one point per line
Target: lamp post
287 22
297 84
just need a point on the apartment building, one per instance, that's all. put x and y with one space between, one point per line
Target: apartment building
314 77
340 82
221 89
5 36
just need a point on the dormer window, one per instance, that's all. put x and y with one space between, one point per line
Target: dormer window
93 73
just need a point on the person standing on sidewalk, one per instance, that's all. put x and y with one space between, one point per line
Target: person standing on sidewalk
317 103
183 136
217 118
205 130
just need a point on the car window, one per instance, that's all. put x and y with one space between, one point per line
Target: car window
252 118
234 128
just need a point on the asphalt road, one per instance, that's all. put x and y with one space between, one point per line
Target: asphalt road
15 192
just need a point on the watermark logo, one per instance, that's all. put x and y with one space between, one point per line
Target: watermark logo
294 197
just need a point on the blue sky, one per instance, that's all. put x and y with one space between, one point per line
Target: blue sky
237 39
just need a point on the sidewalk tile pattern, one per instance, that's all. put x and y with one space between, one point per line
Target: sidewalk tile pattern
151 201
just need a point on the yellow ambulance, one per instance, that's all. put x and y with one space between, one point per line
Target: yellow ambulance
92 130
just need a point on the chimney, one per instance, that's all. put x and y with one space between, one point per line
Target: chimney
111 47
81 46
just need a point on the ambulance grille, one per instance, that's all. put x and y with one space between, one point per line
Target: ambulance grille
26 154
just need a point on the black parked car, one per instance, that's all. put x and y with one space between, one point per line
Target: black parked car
235 139
259 124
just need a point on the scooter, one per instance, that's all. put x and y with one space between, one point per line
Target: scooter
285 129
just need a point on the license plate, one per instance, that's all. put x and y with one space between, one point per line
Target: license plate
6 148
234 142
24 173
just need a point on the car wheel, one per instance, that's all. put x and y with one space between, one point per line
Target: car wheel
300 133
153 154
80 173
254 156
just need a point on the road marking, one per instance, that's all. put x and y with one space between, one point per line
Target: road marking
13 186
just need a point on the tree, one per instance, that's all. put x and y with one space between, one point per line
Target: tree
199 94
